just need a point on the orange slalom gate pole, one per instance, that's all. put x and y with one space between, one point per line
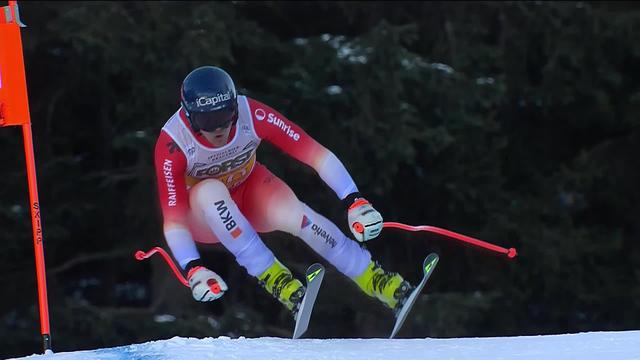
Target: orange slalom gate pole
14 110
37 238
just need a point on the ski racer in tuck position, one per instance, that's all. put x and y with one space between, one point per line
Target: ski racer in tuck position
212 190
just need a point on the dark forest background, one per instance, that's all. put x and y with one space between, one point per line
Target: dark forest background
513 122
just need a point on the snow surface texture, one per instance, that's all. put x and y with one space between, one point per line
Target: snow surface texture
593 345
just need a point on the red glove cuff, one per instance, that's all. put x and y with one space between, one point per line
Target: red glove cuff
193 270
357 203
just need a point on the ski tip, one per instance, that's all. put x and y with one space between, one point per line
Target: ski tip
313 276
315 267
313 271
430 262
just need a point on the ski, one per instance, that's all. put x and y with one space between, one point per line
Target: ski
428 265
314 276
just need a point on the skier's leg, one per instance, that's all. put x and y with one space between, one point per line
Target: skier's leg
212 200
271 205
212 203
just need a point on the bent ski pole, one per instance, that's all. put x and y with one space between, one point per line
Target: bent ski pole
141 255
511 252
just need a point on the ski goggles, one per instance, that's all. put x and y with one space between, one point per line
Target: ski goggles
213 120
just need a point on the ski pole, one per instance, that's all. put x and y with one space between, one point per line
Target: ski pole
511 252
141 255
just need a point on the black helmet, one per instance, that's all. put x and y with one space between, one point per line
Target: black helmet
209 98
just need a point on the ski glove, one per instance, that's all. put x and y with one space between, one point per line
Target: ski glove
205 284
365 222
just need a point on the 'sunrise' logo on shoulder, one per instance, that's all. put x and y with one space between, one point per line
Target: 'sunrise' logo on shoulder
275 120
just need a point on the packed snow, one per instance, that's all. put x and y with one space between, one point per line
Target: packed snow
592 345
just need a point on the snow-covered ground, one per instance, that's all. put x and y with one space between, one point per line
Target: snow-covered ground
591 345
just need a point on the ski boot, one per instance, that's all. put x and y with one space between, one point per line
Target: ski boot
280 283
388 287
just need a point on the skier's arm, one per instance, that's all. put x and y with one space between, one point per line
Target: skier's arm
170 164
364 221
272 126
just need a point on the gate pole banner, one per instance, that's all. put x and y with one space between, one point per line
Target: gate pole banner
14 110
14 104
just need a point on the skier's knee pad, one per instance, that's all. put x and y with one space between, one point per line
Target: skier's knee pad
207 192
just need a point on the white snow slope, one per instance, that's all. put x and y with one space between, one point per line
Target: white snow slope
591 345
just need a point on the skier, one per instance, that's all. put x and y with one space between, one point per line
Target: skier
213 190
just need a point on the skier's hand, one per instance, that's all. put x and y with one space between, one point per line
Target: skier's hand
205 284
365 222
